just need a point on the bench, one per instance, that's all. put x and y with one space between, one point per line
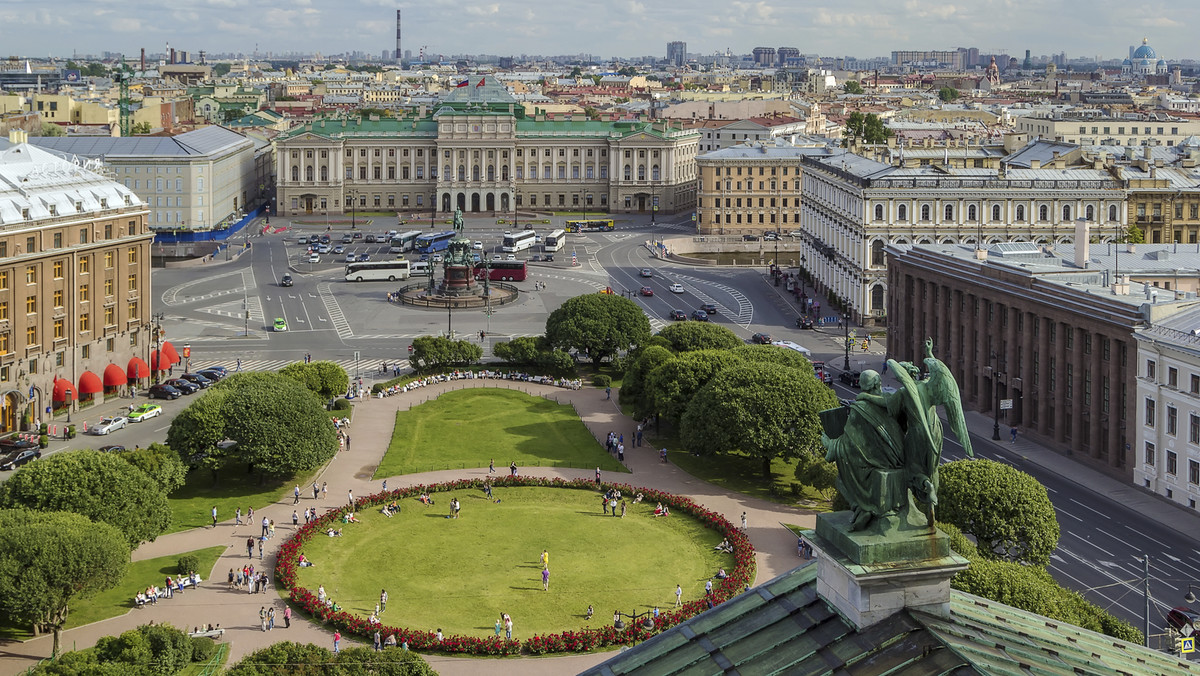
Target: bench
213 634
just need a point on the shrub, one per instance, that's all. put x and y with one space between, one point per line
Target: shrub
187 564
43 428
602 380
44 440
203 648
342 405
70 431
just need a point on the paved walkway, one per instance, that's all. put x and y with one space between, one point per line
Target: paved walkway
237 611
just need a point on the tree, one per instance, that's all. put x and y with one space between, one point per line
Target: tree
813 470
231 114
947 94
197 429
534 351
762 410
141 129
161 463
220 69
307 659
51 129
852 87
865 129
280 427
50 558
434 352
674 383
772 354
325 379
100 486
576 72
597 324
1007 511
1134 235
688 336
161 647
634 385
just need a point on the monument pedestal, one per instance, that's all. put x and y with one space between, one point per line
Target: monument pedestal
460 281
869 577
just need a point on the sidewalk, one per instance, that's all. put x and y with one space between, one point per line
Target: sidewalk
371 429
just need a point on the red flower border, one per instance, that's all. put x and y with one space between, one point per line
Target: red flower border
569 641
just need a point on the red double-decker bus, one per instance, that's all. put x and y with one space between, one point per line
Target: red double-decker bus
502 271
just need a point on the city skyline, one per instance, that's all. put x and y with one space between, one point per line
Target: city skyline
624 28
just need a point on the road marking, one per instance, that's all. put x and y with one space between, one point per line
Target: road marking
162 428
1138 532
1090 509
340 323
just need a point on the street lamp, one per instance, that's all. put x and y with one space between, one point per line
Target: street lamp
846 325
618 624
996 396
351 199
432 209
157 318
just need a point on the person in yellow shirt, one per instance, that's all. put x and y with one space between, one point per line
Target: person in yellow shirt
545 559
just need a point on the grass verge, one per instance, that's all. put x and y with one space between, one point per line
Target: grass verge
191 505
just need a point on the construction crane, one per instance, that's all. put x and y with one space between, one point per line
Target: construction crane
123 76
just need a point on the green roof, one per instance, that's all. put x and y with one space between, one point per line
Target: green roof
427 127
783 627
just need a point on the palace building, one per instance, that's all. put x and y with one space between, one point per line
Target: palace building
479 151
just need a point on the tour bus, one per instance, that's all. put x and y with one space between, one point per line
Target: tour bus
437 241
502 271
518 241
404 242
555 241
591 225
794 346
371 271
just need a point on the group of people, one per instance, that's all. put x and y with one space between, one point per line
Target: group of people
391 509
266 617
153 593
255 582
662 510
616 445
610 500
565 383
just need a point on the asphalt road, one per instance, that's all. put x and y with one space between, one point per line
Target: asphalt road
1102 541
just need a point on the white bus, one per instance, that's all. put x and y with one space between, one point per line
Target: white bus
555 241
794 346
372 271
404 242
518 241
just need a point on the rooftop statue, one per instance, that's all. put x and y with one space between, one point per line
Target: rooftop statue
888 446
458 221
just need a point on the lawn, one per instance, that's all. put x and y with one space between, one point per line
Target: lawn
191 505
447 433
460 574
119 599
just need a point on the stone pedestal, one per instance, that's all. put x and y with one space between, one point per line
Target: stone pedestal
459 281
868 577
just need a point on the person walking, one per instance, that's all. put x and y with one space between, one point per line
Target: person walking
324 489
512 468
287 617
295 519
743 522
296 493
250 547
270 619
545 559
350 497
237 516
1013 433
492 466
260 547
316 490
383 599
262 617
622 509
607 393
377 641
545 579
708 587
337 641
214 515
508 626
239 364
597 483
266 526
678 596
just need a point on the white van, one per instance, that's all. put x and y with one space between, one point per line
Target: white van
794 346
419 269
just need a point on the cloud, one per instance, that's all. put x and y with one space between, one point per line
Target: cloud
484 10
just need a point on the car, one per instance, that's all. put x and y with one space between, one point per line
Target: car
357 235
363 258
423 257
110 424
20 458
529 226
749 238
646 291
1183 621
197 380
849 378
510 257
477 245
323 248
804 322
537 239
761 339
339 249
437 258
700 316
369 239
476 257
677 315
314 258
387 237
549 258
12 444
326 239
709 308
676 288
535 258
350 258
184 386
347 238
164 391
213 374
302 240
822 373
144 412
111 448
279 325
770 237
646 272
286 280
216 367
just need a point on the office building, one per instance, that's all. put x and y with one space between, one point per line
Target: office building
676 53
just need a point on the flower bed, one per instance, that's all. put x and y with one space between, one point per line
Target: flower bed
580 640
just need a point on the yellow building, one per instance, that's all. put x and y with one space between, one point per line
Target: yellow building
750 188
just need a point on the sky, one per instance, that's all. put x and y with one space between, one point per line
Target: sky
861 28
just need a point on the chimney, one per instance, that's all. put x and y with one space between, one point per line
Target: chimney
143 61
1082 243
18 136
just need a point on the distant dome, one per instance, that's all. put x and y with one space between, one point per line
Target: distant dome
1161 62
1145 51
1126 62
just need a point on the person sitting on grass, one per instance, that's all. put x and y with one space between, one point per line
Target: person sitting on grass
425 499
305 563
662 511
334 533
394 507
348 517
387 511
724 546
638 498
721 575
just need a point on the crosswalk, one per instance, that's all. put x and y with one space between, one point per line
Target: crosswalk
368 368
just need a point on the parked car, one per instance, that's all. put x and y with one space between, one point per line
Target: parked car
849 378
437 258
184 386
197 380
370 239
549 258
279 325
676 288
20 458
314 258
363 258
678 315
213 373
323 248
700 316
646 291
761 339
13 444
529 226
326 239
164 391
112 448
477 245
770 237
347 238
804 322
286 280
507 257
749 238
218 368
145 412
709 308
302 240
339 249
646 272
110 424
350 258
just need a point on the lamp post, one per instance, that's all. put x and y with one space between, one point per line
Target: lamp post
352 197
516 198
778 270
157 318
996 396
432 209
846 325
634 617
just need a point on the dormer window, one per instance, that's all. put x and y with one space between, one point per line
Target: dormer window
103 202
25 213
53 209
79 206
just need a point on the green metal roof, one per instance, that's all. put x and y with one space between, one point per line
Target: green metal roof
526 128
783 627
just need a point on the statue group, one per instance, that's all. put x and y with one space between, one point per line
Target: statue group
888 445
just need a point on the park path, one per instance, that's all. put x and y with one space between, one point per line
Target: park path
370 432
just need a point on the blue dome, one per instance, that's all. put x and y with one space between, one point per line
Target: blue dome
1126 62
1145 52
1161 62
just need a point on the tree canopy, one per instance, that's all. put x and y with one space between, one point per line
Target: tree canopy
434 352
1007 511
49 559
672 385
325 379
309 659
947 94
597 324
534 351
100 486
762 410
161 463
688 336
772 354
865 129
852 87
635 385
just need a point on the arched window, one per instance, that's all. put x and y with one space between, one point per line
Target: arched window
628 172
902 212
1066 212
324 173
1020 212
877 298
654 173
475 172
995 212
1090 213
462 173
949 212
1112 212
1043 213
641 172
924 212
308 173
971 212
879 212
295 173
877 258
446 172
491 173
504 173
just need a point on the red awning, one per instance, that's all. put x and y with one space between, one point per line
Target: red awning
114 376
89 383
63 391
159 362
137 369
169 352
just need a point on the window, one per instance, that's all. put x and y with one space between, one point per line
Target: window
85 293
110 317
1150 412
133 282
85 322
31 335
1043 213
1193 428
1066 212
108 287
1172 463
58 298
1195 387
1112 212
949 211
85 265
1193 472
30 304
108 260
1020 212
902 212
1172 420
1172 377
133 255
58 329
133 310
971 213
925 212
58 269
1149 458
1150 368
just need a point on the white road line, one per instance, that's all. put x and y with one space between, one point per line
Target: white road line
1090 509
1140 533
